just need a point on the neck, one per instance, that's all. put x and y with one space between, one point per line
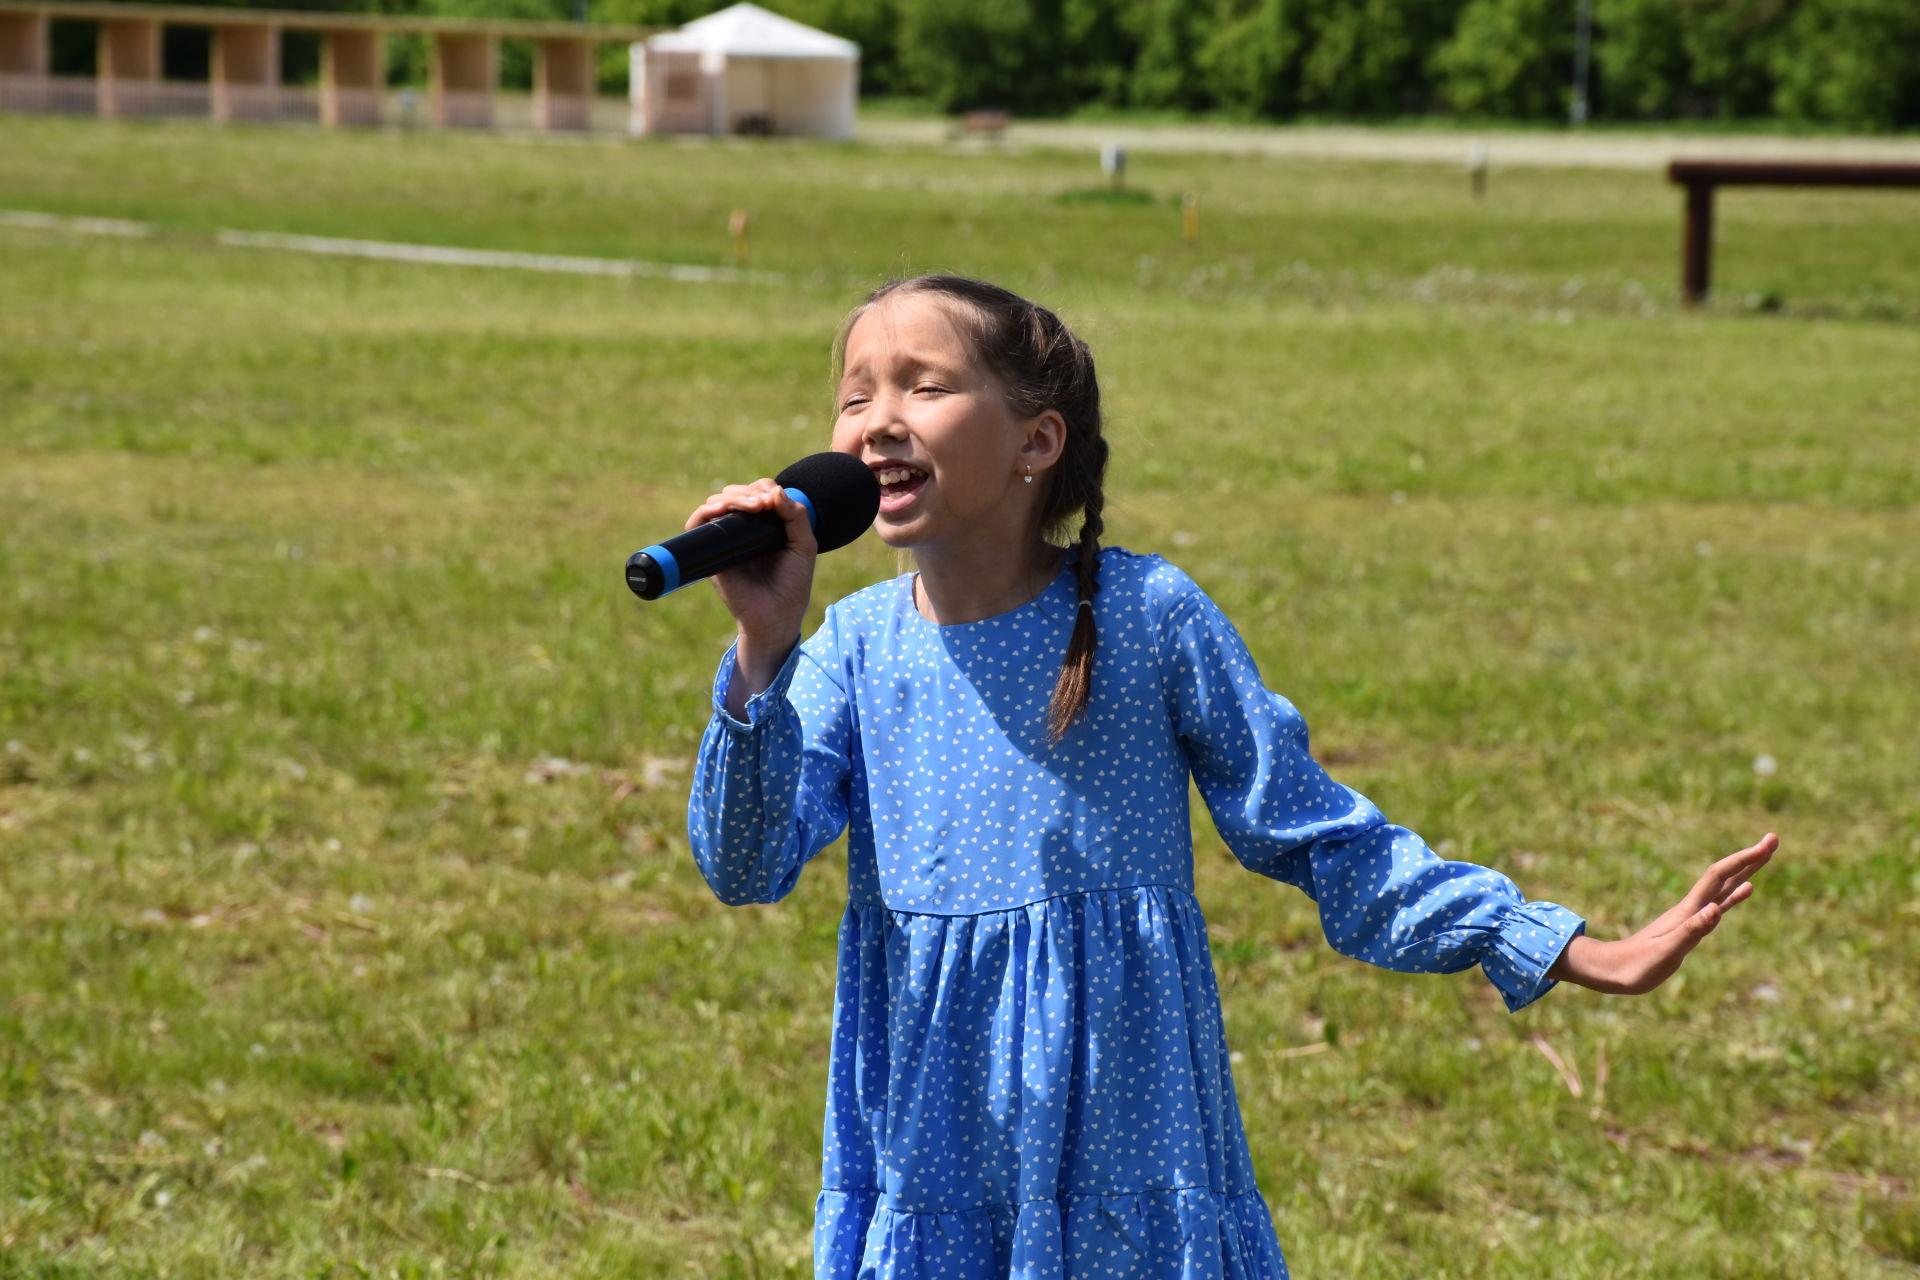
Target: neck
968 584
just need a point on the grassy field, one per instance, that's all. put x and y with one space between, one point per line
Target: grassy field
347 920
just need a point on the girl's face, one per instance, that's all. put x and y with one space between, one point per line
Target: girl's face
917 407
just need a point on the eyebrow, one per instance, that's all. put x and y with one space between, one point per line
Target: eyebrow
909 360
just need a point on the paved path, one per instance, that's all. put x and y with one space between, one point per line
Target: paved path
437 254
1604 149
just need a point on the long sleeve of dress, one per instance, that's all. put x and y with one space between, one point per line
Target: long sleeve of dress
1384 896
770 791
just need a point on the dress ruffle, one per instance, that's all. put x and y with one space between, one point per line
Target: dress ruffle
1186 1234
1036 1092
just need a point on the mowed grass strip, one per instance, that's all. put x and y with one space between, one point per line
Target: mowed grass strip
349 923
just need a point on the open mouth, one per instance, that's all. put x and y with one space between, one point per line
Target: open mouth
899 483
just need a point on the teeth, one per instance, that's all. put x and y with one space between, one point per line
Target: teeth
896 475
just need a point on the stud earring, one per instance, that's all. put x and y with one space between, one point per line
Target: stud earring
1029 474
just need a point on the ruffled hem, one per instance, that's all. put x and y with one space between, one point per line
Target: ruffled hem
1191 1233
1531 938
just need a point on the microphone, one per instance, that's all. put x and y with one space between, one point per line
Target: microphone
838 490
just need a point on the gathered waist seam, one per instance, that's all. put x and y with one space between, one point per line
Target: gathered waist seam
1181 889
1021 1204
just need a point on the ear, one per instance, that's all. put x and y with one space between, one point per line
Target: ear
1046 440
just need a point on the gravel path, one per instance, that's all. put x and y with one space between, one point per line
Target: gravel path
1537 148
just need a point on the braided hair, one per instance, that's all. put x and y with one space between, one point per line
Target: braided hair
1041 365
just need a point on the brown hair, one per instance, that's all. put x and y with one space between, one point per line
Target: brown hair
1041 366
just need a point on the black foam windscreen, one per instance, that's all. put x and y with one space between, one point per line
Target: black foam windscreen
844 492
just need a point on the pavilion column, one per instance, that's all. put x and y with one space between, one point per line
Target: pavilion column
23 61
350 78
129 66
465 69
246 72
562 83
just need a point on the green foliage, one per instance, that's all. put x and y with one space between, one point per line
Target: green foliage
1730 45
1640 61
1508 58
1655 59
1852 62
1251 58
1370 58
995 53
1166 34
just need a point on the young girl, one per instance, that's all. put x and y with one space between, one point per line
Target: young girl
1028 1074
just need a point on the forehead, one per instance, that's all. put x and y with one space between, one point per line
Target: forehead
914 328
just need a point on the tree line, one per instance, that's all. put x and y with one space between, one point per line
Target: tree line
1850 63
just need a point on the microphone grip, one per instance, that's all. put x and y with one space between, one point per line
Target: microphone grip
720 544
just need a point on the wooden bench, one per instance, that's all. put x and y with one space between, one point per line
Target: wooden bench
985 124
1700 177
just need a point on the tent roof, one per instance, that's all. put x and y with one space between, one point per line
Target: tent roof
748 31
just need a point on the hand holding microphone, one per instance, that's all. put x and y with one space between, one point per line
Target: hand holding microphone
767 595
758 542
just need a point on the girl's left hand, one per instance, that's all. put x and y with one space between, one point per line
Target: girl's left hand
1636 965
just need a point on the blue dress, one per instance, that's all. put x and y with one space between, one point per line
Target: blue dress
1028 1075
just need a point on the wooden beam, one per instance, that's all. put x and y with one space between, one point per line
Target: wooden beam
351 76
465 69
1696 250
129 66
562 84
1700 177
245 72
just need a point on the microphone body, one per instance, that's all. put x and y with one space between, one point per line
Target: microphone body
841 497
714 547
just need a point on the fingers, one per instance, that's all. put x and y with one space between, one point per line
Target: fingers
1662 946
1738 870
1751 858
1670 951
762 495
1731 872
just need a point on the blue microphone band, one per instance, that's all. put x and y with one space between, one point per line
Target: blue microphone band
668 566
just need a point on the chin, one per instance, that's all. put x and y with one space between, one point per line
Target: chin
900 539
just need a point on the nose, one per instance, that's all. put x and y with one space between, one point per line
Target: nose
884 424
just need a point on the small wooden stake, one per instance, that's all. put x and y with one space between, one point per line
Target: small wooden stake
737 228
1190 218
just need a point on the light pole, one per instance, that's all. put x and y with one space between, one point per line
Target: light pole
1582 42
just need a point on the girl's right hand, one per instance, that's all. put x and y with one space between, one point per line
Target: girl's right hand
767 598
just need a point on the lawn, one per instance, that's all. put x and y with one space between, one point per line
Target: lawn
348 921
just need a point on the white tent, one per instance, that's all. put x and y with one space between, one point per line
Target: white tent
745 70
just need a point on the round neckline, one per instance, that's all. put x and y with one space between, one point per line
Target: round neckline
1053 584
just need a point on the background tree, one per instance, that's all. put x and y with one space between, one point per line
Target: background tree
1508 58
1251 57
1851 62
990 53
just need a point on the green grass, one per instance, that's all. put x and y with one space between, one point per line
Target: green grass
317 964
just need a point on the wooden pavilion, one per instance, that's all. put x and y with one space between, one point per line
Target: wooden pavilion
245 81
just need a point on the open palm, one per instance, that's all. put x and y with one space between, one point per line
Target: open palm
1637 964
